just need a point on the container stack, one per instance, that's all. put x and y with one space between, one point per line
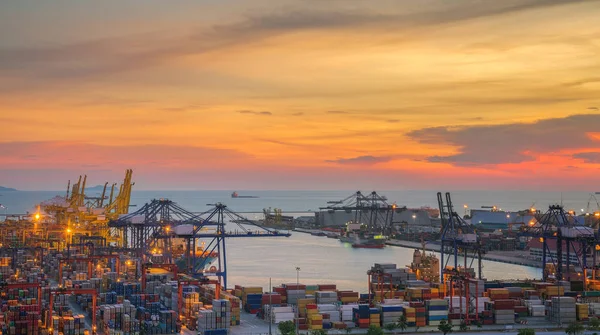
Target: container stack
327 287
236 304
582 311
457 305
271 298
303 305
554 291
498 294
420 314
279 314
594 309
191 304
479 303
69 325
390 313
252 299
283 292
331 312
503 311
222 309
206 321
563 309
309 310
168 321
437 310
374 317
361 316
295 292
314 319
326 297
348 297
418 294
410 313
535 307
346 312
311 289
20 319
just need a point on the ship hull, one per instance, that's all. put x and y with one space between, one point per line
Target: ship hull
202 263
368 246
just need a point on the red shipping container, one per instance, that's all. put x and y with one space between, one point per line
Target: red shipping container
504 304
327 287
294 286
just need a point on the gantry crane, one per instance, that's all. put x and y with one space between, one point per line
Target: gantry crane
38 286
216 218
89 215
559 226
371 210
461 282
457 236
152 229
592 217
381 279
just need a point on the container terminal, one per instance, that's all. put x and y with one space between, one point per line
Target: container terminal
89 265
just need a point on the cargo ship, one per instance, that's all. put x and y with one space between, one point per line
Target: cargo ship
204 260
363 240
236 195
370 244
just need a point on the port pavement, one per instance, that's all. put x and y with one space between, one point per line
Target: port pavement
252 325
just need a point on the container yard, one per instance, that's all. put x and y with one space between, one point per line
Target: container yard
83 265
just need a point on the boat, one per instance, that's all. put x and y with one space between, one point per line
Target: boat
236 195
318 233
370 244
364 240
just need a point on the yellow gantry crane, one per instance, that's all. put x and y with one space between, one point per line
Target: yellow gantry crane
77 214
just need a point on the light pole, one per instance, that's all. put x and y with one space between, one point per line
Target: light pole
270 305
297 309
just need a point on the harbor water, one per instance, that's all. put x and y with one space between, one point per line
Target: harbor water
327 260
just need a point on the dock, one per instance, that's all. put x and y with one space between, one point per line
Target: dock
509 257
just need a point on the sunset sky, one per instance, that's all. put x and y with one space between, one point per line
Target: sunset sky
305 94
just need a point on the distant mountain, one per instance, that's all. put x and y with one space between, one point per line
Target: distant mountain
97 188
6 189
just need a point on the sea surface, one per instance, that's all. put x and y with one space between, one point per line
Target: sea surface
252 261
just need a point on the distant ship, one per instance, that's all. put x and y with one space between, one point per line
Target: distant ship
363 241
236 195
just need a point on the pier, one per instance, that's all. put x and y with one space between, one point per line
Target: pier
510 257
